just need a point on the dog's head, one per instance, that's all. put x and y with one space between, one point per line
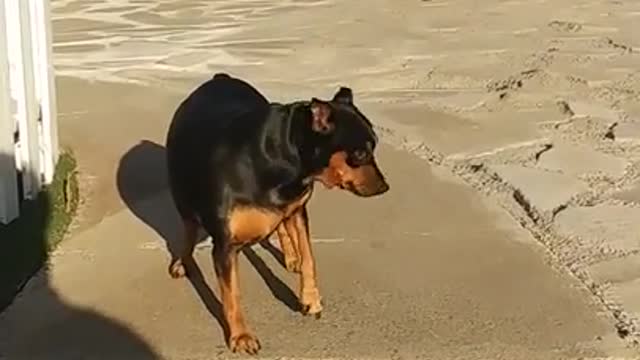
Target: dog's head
345 146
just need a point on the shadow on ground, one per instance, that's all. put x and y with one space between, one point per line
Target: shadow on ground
142 184
40 325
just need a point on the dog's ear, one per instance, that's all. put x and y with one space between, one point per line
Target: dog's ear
344 95
320 116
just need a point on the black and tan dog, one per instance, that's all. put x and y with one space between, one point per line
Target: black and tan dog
243 168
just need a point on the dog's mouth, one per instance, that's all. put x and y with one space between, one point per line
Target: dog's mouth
365 191
349 186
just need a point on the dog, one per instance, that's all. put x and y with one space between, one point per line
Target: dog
243 168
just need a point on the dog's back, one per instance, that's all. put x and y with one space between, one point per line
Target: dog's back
213 107
206 124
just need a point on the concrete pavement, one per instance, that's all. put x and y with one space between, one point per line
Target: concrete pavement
431 270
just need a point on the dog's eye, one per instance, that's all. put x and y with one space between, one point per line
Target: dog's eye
360 155
370 146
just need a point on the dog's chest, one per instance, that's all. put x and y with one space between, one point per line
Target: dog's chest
251 223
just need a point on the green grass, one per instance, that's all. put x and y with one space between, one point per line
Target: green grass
26 242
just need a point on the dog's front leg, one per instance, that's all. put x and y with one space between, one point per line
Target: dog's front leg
288 237
310 298
225 257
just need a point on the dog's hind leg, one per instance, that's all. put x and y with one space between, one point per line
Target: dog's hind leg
177 268
310 298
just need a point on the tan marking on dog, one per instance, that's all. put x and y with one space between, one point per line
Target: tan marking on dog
250 223
339 173
289 247
309 297
247 223
241 338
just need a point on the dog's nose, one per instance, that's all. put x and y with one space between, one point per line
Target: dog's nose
383 188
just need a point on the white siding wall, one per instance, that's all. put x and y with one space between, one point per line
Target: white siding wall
27 102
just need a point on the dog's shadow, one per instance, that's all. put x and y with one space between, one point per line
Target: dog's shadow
142 184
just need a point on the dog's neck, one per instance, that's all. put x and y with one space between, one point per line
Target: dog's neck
299 143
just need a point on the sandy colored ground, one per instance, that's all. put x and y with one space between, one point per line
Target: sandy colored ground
512 143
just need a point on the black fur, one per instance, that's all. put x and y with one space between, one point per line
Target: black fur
228 145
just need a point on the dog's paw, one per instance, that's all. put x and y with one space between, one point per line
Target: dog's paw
311 310
177 269
311 303
244 342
